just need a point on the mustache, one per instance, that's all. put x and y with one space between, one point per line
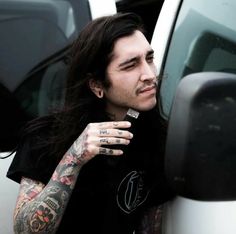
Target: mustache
148 84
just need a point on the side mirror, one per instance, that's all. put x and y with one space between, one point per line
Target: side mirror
201 139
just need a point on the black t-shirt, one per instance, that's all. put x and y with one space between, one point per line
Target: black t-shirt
111 192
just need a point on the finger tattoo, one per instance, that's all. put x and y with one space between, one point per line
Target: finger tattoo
105 151
118 141
103 131
104 140
102 151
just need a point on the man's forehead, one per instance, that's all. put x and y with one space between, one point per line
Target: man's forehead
133 45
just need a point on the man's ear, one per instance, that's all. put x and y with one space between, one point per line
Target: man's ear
96 87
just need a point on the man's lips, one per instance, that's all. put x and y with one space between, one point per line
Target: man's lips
147 89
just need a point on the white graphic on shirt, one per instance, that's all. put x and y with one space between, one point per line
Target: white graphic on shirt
131 192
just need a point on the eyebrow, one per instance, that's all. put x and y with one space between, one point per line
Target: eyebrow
149 53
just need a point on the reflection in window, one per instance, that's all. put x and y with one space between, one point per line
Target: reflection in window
203 40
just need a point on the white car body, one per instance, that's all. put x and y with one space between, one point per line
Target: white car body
186 215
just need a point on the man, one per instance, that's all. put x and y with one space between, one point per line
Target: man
85 168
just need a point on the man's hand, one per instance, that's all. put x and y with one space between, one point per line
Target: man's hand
97 135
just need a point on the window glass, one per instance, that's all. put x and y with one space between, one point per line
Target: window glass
204 39
33 42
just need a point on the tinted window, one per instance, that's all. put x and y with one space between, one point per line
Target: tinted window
204 39
33 37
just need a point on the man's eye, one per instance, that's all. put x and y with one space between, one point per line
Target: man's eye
150 59
130 66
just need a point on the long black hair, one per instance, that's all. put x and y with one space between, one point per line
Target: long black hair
90 56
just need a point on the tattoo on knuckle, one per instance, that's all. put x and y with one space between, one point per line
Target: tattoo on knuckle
102 151
103 131
118 141
104 140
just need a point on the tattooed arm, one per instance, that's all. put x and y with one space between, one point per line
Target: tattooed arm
151 222
40 207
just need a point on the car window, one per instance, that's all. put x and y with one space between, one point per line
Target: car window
37 31
203 39
33 33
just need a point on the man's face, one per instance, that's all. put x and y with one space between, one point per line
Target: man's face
132 75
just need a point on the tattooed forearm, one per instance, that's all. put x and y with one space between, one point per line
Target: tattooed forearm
40 211
43 214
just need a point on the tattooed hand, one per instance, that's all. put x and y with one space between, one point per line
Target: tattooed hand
97 135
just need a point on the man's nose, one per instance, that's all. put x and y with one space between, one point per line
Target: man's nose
148 72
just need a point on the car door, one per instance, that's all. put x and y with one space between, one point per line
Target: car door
191 37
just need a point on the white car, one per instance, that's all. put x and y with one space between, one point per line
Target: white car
195 50
194 40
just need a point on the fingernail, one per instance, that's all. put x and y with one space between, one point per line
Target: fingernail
129 124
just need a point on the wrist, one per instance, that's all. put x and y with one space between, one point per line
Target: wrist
76 157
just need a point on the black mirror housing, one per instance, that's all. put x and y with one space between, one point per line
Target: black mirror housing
201 141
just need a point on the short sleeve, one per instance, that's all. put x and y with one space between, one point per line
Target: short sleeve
31 163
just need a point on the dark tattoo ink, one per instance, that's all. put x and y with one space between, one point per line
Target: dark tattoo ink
43 215
103 132
118 141
102 151
104 140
